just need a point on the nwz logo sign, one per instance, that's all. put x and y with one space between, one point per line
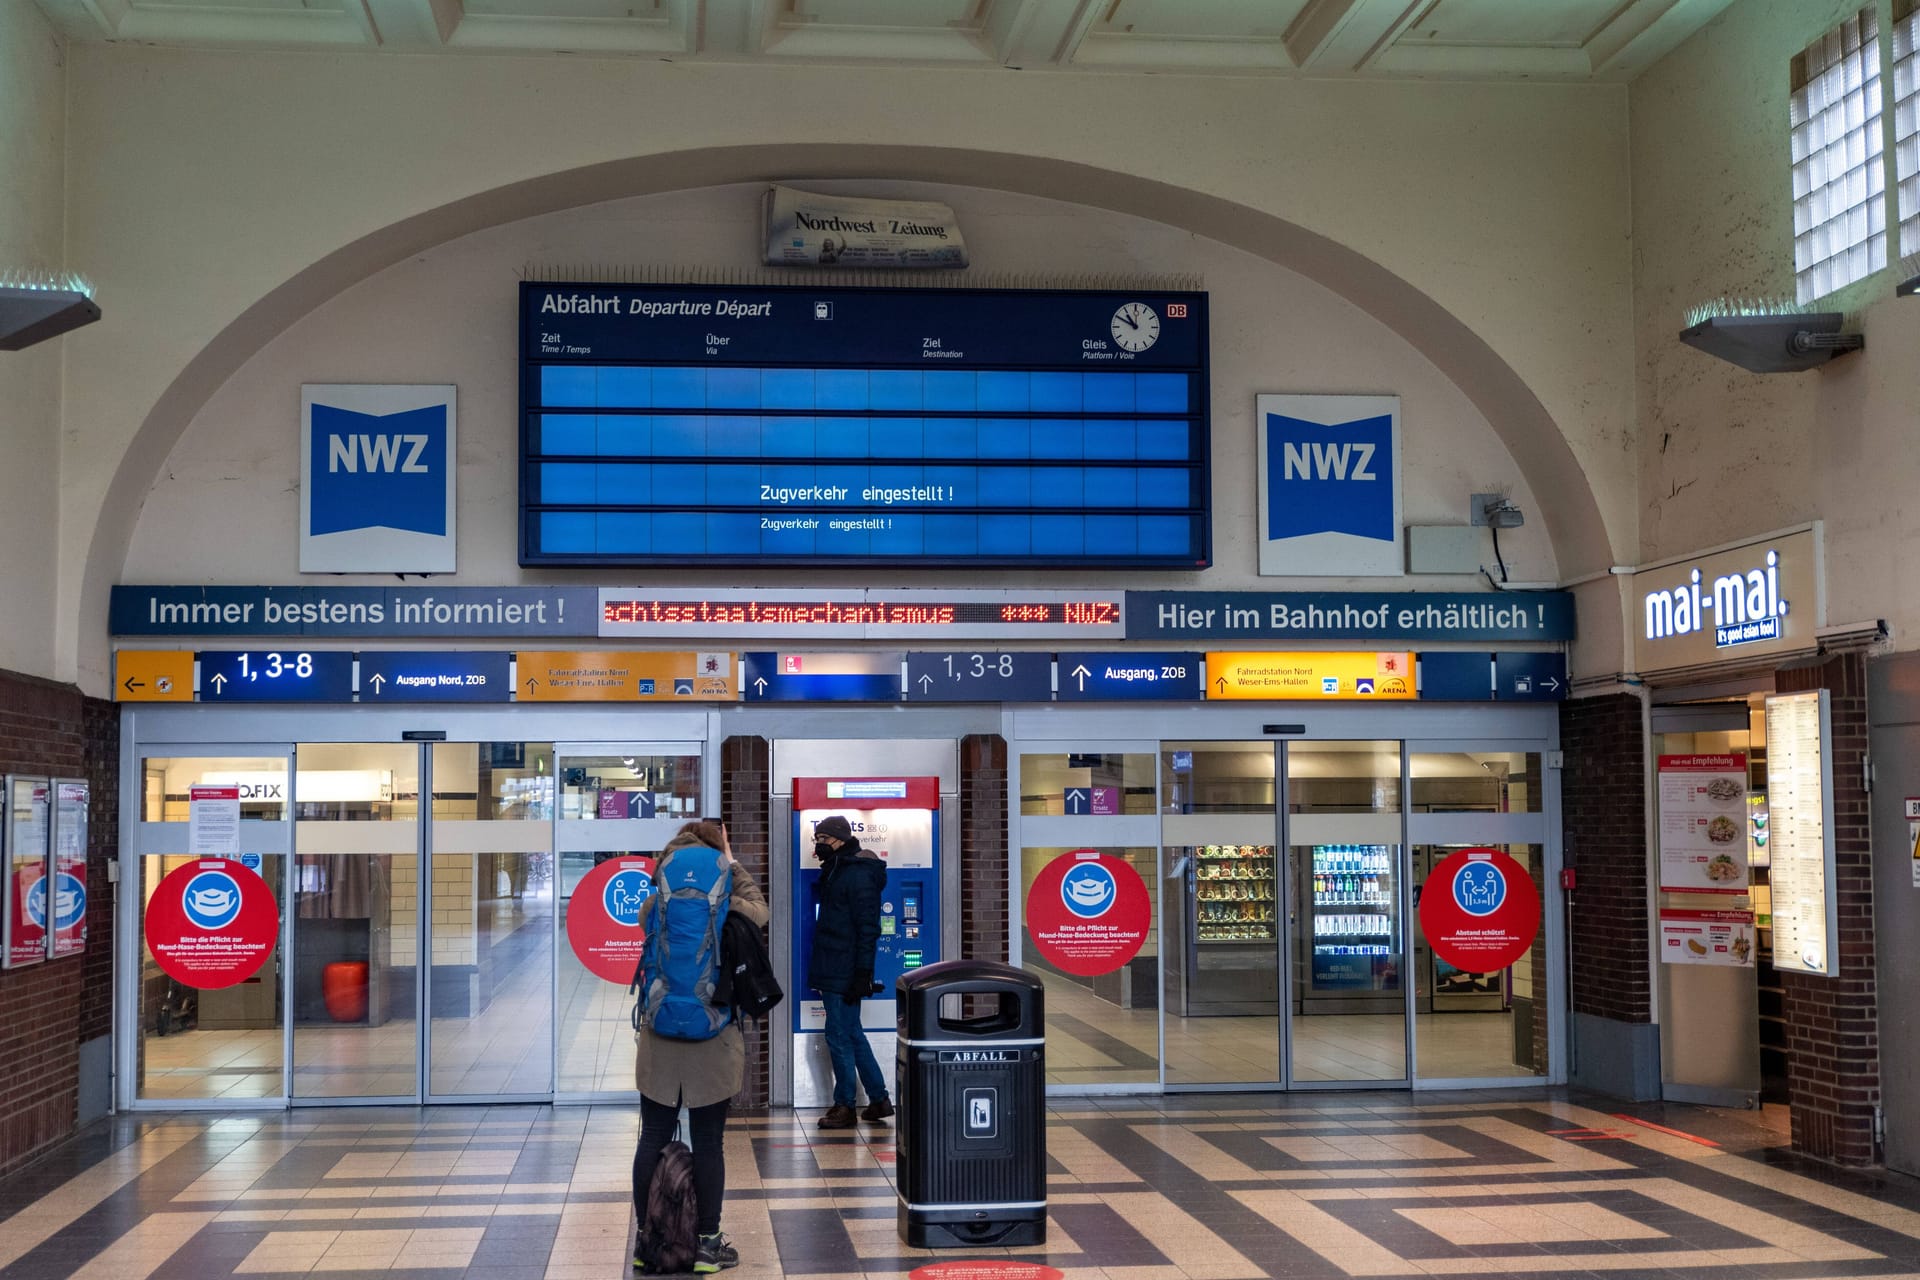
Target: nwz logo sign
377 479
1329 485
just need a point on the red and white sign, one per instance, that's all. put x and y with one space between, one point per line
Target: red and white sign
212 923
1088 912
1703 824
1480 910
67 902
29 901
603 917
1706 937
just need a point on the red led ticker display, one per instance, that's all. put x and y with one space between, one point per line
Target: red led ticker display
836 613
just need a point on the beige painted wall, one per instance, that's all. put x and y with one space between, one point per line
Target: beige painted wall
450 315
202 182
32 234
1726 453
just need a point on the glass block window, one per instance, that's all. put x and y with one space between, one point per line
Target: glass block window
1839 175
1906 121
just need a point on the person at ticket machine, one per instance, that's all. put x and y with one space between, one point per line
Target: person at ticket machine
846 938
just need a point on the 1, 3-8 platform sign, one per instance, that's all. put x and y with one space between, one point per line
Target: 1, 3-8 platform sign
275 676
979 677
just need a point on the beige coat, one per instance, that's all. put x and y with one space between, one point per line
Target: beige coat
697 1073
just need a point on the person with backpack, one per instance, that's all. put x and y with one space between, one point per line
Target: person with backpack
689 1052
846 936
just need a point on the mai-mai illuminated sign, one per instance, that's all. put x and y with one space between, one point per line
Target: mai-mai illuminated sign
1747 601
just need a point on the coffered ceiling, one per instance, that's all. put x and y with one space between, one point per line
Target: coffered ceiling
1454 39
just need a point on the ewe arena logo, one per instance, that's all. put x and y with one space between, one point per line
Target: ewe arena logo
376 470
1088 890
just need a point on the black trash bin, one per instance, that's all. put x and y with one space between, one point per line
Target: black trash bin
971 1138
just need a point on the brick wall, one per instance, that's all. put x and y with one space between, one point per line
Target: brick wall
983 847
1833 1032
1603 801
745 804
46 1011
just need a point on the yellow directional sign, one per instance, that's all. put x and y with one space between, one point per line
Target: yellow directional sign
607 675
1311 677
153 675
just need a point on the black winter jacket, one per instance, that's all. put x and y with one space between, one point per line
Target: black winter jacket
846 932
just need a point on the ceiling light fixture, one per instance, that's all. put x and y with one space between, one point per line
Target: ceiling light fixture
1768 335
37 305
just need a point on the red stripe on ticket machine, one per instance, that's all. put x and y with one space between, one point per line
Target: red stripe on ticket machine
866 793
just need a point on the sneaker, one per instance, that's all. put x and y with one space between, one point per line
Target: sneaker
714 1253
877 1111
838 1117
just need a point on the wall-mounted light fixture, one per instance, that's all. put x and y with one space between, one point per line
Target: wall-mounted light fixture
1910 276
1495 511
1768 335
37 305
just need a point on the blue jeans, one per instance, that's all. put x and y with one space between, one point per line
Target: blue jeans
848 1048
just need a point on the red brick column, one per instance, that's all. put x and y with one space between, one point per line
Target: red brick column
983 847
1833 1027
746 805
48 1009
1603 801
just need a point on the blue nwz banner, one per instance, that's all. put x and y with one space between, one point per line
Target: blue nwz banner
377 482
1329 485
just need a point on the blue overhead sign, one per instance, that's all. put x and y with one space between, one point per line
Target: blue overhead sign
1456 677
1114 676
820 677
259 675
430 676
1530 677
1299 617
979 677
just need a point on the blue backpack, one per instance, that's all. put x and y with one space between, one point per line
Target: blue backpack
680 962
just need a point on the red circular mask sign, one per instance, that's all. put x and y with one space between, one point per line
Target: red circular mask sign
1088 913
1480 910
212 923
603 917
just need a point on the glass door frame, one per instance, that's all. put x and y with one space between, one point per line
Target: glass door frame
267 731
141 839
1126 830
1541 829
578 836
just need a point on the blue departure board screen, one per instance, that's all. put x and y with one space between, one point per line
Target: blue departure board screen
853 426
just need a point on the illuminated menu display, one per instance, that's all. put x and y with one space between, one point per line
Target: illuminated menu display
1800 803
848 426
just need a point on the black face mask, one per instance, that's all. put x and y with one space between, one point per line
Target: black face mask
822 850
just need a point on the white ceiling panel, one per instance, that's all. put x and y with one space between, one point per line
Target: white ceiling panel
1202 19
595 10
895 15
1507 24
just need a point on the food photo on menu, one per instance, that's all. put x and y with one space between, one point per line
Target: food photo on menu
1703 823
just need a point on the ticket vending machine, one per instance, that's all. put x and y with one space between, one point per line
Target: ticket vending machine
899 820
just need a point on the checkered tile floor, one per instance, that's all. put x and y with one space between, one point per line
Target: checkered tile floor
1208 1187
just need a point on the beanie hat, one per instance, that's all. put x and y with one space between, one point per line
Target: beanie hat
835 826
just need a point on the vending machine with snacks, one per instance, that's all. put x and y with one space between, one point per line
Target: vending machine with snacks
1225 957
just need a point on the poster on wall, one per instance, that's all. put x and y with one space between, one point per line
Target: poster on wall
1088 913
69 907
1800 817
1706 937
1704 822
1480 910
28 801
213 819
603 917
211 923
807 229
376 479
1329 480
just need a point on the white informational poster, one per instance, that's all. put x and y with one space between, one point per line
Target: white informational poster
1706 937
1800 818
213 820
1703 824
898 837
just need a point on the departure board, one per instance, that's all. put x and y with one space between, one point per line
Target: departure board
857 426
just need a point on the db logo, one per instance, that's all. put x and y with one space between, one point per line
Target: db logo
1176 311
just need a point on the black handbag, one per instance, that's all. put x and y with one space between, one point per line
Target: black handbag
745 981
